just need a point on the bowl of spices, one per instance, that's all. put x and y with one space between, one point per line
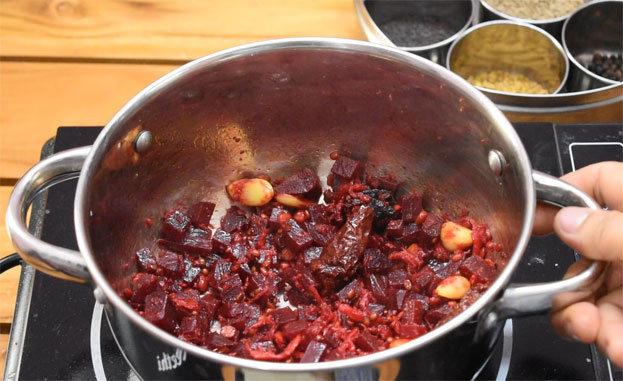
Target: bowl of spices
424 27
592 39
505 57
549 15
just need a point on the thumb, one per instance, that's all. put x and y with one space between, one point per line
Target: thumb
596 234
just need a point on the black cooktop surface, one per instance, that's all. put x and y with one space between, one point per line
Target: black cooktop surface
66 335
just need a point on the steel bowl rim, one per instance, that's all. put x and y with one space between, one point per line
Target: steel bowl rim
570 56
364 15
506 16
497 120
551 38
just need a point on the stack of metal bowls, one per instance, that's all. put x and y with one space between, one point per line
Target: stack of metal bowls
472 37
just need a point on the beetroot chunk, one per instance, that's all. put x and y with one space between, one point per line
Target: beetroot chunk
145 260
201 213
297 238
175 225
366 342
346 168
320 233
479 269
171 264
294 328
304 183
193 328
160 311
196 241
221 241
411 206
235 218
313 352
375 261
186 302
318 213
143 285
284 315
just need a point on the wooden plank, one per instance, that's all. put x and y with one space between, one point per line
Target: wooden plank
163 29
36 98
10 279
4 344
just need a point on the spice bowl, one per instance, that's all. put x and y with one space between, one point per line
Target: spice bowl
592 32
505 57
549 15
423 27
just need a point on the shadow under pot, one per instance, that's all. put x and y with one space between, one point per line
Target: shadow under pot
503 57
592 41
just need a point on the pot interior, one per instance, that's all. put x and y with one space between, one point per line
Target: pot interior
276 110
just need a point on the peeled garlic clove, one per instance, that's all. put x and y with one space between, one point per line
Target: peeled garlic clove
292 201
251 192
455 237
453 287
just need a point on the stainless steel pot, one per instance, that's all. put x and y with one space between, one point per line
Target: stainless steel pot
271 106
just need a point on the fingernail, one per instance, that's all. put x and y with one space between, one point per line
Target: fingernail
571 218
570 333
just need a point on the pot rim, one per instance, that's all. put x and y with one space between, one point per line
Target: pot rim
498 121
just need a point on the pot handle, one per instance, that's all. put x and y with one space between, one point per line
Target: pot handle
519 300
53 260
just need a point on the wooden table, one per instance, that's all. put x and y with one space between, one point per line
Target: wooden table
76 62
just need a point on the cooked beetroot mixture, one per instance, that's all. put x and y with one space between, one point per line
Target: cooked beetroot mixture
368 271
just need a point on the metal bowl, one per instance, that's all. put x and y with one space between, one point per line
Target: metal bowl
510 47
395 23
595 27
552 26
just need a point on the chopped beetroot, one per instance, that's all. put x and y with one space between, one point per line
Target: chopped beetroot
142 285
476 267
209 304
374 261
196 241
410 331
273 221
186 302
200 214
414 311
193 328
350 292
304 183
313 352
346 168
311 253
318 213
175 225
432 225
411 206
294 328
284 315
426 280
145 260
438 313
160 311
297 239
409 233
232 289
320 233
367 342
172 264
234 219
394 228
313 283
397 277
221 241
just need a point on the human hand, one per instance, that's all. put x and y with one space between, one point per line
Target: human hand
596 235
